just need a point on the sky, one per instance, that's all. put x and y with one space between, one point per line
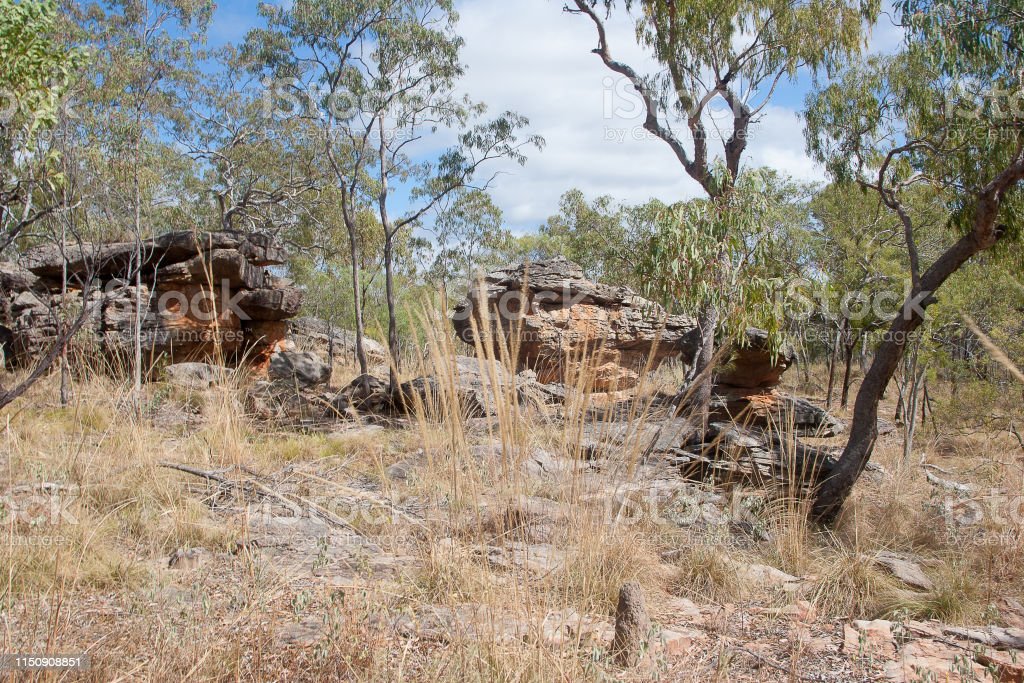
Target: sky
531 57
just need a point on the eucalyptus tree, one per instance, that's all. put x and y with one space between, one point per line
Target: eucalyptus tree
36 69
410 94
935 116
143 55
719 250
313 53
469 235
602 235
857 251
258 174
733 51
375 79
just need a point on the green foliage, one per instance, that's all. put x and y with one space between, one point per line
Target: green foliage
35 71
469 236
717 253
602 235
858 249
127 108
737 51
935 114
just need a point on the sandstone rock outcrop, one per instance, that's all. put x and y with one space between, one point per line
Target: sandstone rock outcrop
204 295
560 322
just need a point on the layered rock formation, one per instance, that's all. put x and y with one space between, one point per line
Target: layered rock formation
478 390
203 295
560 325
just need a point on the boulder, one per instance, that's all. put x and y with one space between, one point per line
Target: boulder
905 569
301 368
774 410
321 336
754 364
365 394
564 324
194 375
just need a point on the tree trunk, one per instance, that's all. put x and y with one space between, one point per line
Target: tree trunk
913 381
832 370
701 375
137 346
849 344
330 345
832 494
901 387
389 266
926 402
65 380
353 248
389 293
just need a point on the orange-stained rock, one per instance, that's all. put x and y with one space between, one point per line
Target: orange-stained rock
204 296
561 325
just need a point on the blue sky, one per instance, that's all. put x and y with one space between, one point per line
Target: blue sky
530 57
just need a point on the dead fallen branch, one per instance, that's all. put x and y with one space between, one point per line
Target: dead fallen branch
254 488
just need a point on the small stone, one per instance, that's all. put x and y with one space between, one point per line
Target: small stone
819 646
869 639
677 643
801 611
905 570
195 375
1008 667
1011 611
927 660
303 634
770 577
186 559
684 609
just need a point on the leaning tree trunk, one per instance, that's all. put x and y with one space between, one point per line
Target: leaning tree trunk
832 495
